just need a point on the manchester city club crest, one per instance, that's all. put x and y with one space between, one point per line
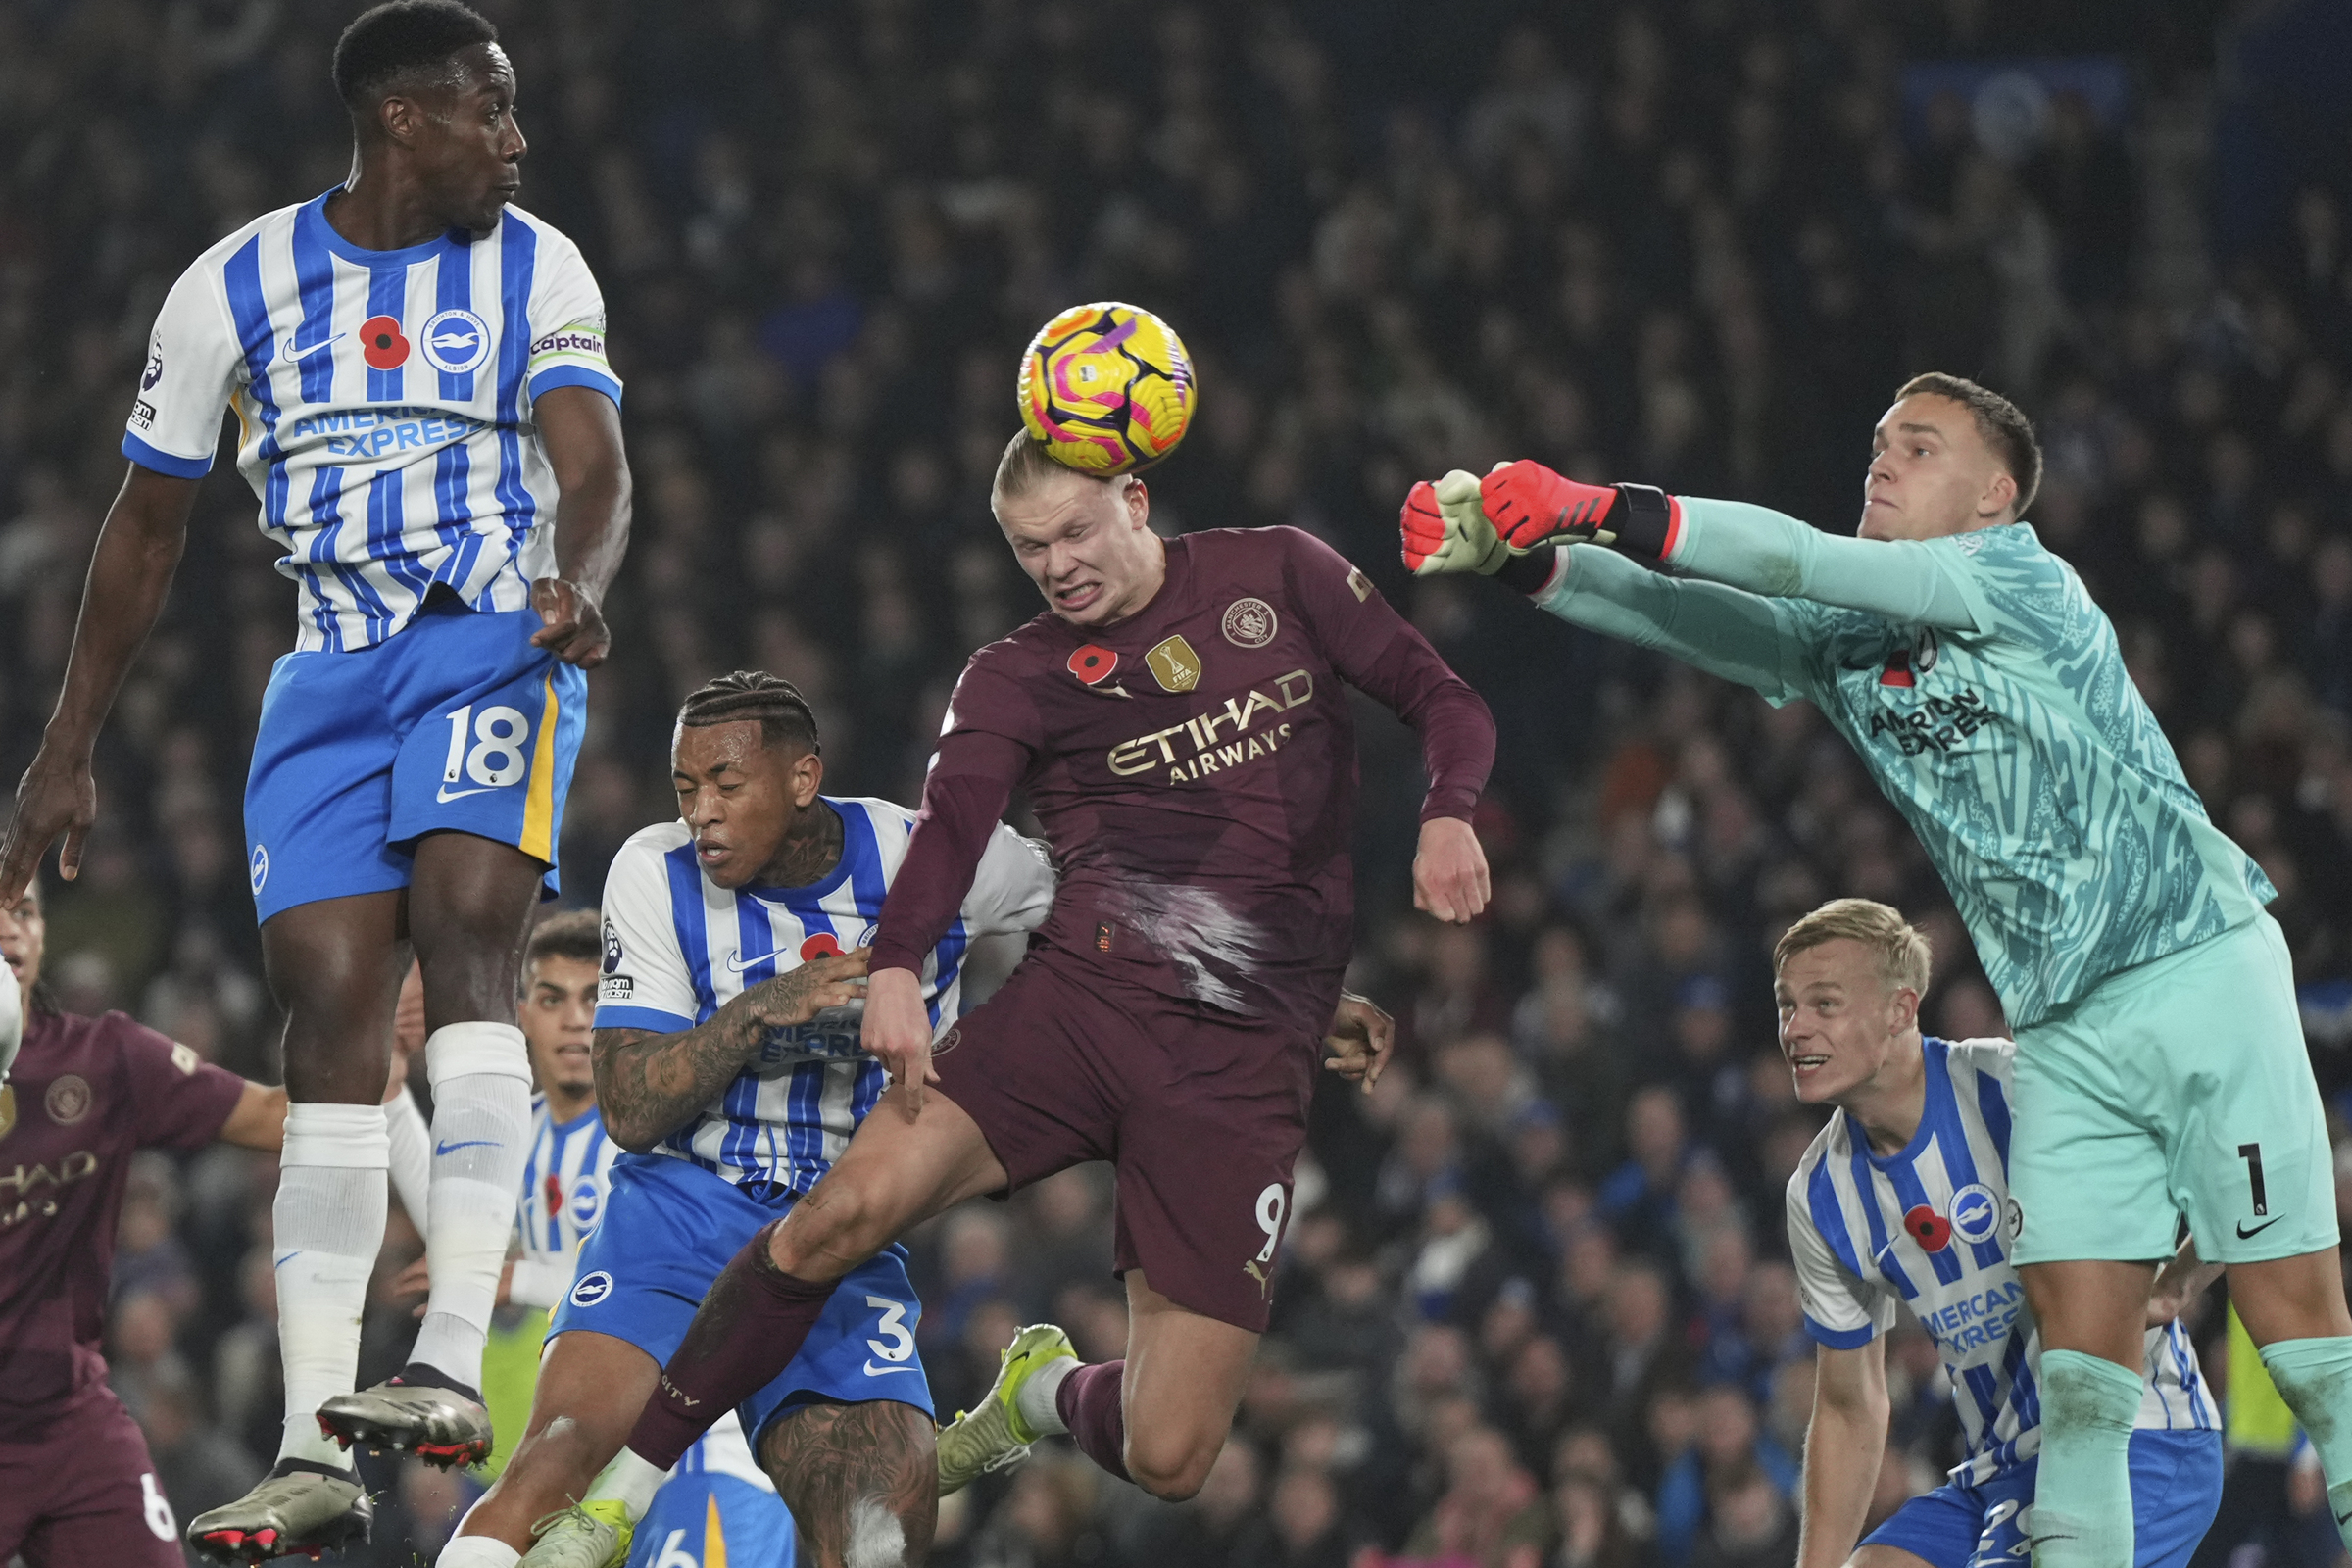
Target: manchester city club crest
1249 623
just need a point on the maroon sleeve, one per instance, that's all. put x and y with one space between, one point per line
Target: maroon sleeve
991 737
1378 652
178 1099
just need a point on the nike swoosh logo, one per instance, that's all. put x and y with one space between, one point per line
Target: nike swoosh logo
291 353
448 794
2245 1234
471 1143
873 1371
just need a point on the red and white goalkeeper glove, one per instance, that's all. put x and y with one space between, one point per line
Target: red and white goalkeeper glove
1444 530
1529 505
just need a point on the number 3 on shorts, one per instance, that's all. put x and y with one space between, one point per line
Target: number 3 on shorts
897 1343
502 746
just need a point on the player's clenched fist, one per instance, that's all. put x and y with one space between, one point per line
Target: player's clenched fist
1445 530
1449 871
1528 504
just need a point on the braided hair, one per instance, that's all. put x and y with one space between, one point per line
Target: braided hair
746 695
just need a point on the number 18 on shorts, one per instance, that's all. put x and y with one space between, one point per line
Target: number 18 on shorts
454 725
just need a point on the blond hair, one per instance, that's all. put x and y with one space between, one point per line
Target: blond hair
1028 463
1901 948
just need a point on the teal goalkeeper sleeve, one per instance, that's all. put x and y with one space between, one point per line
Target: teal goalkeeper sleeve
1740 636
1765 551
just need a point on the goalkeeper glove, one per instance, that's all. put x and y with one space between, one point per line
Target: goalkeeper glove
1445 530
1529 505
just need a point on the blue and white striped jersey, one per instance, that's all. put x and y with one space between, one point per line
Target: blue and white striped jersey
1930 1227
565 1179
384 405
678 948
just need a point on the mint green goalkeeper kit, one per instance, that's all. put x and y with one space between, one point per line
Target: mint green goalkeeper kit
2161 1064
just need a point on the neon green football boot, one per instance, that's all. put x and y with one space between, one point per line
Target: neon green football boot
587 1534
995 1437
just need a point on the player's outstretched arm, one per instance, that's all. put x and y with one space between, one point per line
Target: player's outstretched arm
1845 1443
581 427
139 551
1729 542
648 1085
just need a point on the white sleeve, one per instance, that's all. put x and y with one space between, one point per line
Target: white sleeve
541 1281
567 322
1842 1310
646 983
192 366
1012 890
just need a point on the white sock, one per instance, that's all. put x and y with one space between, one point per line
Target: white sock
330 1224
411 1154
477 1551
481 1077
1035 1402
629 1478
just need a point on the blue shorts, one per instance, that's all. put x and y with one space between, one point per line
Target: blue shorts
2176 1490
455 722
669 1227
706 1520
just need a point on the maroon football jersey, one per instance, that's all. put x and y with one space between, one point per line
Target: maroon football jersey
1195 769
84 1095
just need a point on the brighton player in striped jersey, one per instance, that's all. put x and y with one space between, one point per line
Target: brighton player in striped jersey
729 1064
424 410
567 1170
1903 1200
2161 1067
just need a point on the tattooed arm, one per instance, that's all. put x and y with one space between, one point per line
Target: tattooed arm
648 1085
861 1481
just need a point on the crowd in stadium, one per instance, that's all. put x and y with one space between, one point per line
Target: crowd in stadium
1535 1308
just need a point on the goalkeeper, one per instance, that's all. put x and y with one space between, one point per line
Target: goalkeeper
2160 1059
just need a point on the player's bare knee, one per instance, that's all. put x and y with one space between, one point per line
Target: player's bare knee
838 1225
1171 1470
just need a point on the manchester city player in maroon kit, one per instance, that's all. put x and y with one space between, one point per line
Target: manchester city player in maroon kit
77 1484
1180 723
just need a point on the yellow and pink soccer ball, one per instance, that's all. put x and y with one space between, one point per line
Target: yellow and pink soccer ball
1108 387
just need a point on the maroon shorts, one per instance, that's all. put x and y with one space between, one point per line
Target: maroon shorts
1202 1113
84 1491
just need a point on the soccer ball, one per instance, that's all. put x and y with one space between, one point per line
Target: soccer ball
1108 387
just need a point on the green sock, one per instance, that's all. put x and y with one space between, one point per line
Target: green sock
2082 1501
2315 1379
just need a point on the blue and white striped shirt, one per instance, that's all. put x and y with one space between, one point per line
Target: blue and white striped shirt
383 399
565 1179
1930 1227
678 948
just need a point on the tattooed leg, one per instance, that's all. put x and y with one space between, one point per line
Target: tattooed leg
861 1481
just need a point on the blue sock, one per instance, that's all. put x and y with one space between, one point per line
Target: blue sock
2083 1499
2315 1379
